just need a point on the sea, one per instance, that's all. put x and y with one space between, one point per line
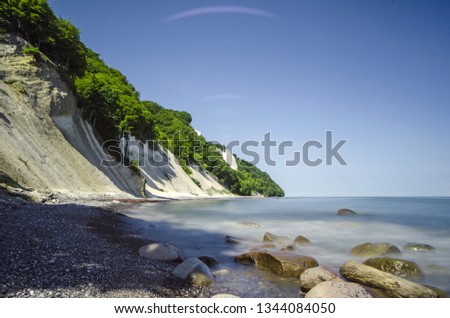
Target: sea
199 227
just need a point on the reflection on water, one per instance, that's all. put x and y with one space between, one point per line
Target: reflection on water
199 228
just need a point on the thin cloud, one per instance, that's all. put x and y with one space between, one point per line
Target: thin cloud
219 9
221 97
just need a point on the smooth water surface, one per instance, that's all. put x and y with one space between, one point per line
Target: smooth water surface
199 227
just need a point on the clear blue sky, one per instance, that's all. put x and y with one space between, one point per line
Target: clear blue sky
374 72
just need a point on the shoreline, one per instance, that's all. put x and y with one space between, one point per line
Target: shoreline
78 250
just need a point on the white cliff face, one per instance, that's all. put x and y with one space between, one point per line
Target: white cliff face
165 177
46 145
229 158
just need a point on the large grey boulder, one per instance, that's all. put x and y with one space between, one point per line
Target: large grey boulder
210 261
194 271
160 252
337 289
398 267
392 285
374 249
314 276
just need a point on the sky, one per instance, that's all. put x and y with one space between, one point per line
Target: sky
375 73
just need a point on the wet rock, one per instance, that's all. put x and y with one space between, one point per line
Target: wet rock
248 258
398 267
160 252
346 212
314 276
392 285
277 239
374 249
337 289
232 240
194 271
285 264
209 261
417 247
301 240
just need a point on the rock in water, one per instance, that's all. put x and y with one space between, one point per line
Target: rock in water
160 252
374 249
248 258
272 238
337 289
314 276
301 240
346 212
210 261
285 264
392 285
398 267
417 247
232 240
194 271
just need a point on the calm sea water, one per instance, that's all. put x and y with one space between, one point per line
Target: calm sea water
199 227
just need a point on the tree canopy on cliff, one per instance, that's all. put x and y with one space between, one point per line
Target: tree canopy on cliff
113 105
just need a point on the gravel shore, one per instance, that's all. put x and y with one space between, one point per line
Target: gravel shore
72 250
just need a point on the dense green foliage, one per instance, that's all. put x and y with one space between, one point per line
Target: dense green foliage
110 102
113 105
57 38
254 181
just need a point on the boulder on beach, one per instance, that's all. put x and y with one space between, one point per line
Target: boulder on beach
285 264
346 212
277 239
209 261
248 258
418 247
195 272
398 267
375 249
314 276
337 289
301 240
390 284
160 252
